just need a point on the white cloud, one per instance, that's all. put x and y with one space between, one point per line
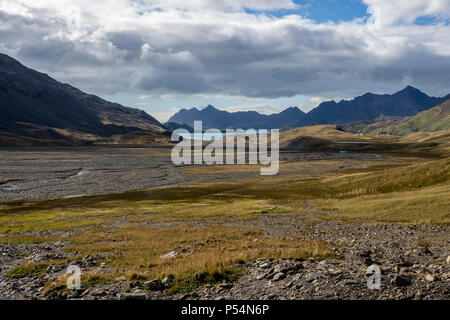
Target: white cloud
220 4
387 12
107 47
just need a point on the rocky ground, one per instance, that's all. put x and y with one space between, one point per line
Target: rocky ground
50 173
414 263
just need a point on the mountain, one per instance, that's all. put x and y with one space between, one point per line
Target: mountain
369 106
214 118
434 119
172 126
36 106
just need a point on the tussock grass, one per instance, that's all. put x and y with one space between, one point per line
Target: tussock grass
136 251
28 270
425 206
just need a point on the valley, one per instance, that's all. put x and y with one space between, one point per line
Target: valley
142 228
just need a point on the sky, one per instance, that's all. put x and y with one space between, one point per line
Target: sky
262 55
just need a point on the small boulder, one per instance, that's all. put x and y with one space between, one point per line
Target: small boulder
313 276
265 265
430 278
225 285
401 281
135 284
167 282
170 255
132 296
279 276
153 285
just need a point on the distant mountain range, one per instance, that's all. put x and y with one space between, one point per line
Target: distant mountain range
214 118
434 119
34 105
405 103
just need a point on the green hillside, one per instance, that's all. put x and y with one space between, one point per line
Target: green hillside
434 119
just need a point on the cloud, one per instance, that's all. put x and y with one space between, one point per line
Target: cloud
220 4
388 12
170 47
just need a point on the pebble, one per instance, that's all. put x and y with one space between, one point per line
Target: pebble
313 276
279 276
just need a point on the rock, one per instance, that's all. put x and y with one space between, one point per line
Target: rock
135 284
401 281
313 276
167 282
448 260
280 269
265 265
225 285
261 276
368 261
132 296
279 276
153 285
220 298
170 255
365 253
430 278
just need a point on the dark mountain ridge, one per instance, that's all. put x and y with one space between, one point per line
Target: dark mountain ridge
214 118
405 103
32 99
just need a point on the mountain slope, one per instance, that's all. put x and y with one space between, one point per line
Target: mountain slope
434 119
404 103
31 100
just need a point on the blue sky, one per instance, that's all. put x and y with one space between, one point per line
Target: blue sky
262 55
326 10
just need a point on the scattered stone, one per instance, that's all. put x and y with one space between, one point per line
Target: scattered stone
430 278
153 285
225 285
167 282
170 255
401 281
313 276
279 276
132 296
265 265
261 276
135 284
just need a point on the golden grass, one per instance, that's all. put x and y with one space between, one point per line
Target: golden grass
425 206
135 251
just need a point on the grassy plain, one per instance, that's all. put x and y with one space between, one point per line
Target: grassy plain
201 221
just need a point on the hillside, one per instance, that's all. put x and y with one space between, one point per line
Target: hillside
36 106
434 119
